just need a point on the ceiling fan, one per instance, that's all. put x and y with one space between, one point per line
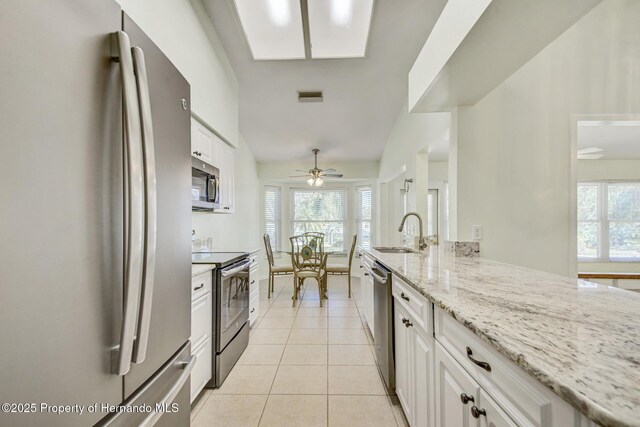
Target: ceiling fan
316 174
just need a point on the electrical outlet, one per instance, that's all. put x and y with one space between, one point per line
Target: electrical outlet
476 232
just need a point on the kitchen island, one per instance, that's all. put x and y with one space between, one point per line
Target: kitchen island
578 339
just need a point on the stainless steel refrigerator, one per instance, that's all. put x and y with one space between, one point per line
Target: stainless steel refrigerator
95 219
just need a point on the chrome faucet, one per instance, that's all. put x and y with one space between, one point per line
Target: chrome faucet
422 243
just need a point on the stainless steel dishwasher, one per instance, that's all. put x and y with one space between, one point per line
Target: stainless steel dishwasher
383 324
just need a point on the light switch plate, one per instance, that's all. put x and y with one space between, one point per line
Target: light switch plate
476 232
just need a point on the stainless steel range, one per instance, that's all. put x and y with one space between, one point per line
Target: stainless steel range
230 310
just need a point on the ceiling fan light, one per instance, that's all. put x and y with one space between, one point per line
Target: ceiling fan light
319 182
310 181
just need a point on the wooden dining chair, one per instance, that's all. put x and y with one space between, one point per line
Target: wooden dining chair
342 269
274 270
309 261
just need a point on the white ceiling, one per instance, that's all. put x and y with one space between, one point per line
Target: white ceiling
362 97
618 140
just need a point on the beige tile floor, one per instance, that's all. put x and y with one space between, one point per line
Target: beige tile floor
305 366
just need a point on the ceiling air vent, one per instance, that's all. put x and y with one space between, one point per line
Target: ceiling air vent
310 96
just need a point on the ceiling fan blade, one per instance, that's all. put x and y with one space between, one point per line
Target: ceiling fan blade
300 170
330 170
333 175
299 176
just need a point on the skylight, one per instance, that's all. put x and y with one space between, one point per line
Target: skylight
298 29
339 28
273 28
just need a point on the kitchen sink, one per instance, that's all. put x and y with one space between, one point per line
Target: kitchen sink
391 250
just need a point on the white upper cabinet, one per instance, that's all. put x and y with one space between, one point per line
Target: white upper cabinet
212 149
225 160
201 142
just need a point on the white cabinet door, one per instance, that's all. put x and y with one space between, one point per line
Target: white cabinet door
404 367
230 178
201 142
423 402
254 291
490 414
224 159
367 301
453 387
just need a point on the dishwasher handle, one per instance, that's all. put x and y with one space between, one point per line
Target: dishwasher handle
379 276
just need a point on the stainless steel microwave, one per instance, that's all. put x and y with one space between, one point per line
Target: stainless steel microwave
205 186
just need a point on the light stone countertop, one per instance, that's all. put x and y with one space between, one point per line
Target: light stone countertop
197 269
579 339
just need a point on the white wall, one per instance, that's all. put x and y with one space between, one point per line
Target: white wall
514 146
242 228
405 156
183 31
438 171
597 170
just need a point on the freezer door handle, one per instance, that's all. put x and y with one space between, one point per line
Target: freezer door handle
153 416
133 201
150 204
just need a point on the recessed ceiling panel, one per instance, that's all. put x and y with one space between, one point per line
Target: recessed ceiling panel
273 28
339 28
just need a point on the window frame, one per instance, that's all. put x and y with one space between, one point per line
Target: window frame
602 220
292 214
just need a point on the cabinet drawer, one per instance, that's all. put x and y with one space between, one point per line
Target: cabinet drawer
201 318
417 305
201 284
254 309
522 398
201 373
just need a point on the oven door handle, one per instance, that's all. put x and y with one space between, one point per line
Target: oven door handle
233 270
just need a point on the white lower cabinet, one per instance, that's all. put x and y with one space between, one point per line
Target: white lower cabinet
403 362
491 415
254 291
414 367
446 376
455 393
201 326
366 287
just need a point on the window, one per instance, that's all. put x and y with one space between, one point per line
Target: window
609 221
272 216
363 216
321 211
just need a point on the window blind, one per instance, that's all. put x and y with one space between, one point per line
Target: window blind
273 216
363 215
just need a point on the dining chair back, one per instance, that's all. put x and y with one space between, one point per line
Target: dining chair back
274 270
344 269
309 261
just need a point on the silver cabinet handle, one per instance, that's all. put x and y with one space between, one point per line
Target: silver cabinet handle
133 202
150 204
154 416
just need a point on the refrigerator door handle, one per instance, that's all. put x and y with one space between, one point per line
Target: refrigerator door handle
133 202
150 204
153 416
